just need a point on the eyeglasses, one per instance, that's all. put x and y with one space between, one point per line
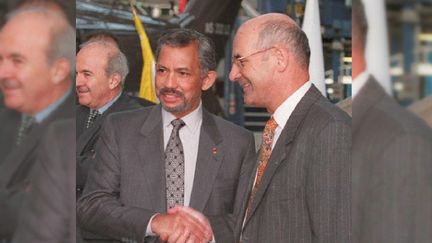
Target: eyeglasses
240 61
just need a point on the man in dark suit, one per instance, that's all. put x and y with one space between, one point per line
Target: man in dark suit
392 159
48 213
176 153
300 189
101 71
36 56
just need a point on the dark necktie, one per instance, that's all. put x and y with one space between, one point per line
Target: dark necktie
93 114
265 152
24 128
174 167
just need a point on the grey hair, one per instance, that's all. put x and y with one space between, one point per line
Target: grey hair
116 60
63 38
183 38
289 35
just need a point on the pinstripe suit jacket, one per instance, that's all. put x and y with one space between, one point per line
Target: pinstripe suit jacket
304 194
392 171
127 185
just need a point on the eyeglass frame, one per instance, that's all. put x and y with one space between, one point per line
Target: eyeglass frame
238 60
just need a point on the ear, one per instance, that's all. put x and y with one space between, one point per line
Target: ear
60 70
282 58
114 81
209 80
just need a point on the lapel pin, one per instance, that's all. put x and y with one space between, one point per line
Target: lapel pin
214 150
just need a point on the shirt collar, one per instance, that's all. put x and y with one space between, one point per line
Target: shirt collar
192 120
43 114
108 105
284 111
359 82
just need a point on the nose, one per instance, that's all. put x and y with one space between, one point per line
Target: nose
234 73
6 70
170 80
79 80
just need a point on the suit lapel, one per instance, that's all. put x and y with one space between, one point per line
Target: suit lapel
283 145
208 162
151 152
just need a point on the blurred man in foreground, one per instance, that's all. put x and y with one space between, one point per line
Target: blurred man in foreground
37 50
392 159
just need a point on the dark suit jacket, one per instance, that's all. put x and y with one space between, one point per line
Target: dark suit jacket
48 213
304 195
87 138
127 185
392 171
16 165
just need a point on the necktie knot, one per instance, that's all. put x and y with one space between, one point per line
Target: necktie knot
269 131
25 127
93 114
177 124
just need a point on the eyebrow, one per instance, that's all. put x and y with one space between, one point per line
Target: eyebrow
17 55
86 71
237 56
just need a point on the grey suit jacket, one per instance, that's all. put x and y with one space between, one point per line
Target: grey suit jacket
48 213
16 165
87 138
304 194
127 185
392 171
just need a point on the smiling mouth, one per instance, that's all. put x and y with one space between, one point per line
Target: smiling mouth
9 85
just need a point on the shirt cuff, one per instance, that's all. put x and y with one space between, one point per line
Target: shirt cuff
149 231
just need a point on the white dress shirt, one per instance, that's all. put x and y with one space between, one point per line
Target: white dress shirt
284 111
359 82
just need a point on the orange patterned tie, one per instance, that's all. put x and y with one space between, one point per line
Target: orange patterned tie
265 152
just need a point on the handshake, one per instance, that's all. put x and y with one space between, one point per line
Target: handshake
182 224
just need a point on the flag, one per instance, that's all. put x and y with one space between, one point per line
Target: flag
377 51
312 28
147 90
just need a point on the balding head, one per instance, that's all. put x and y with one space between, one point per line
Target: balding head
271 59
279 29
36 55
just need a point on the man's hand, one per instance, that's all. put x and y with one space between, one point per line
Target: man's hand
182 224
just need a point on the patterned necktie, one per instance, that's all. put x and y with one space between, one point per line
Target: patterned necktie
93 114
25 127
265 152
174 167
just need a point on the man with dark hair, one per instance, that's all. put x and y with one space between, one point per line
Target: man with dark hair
300 188
37 51
170 156
392 158
101 72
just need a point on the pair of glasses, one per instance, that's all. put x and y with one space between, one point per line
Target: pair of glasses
240 61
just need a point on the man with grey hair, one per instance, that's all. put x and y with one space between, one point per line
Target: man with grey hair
101 73
300 188
171 156
37 51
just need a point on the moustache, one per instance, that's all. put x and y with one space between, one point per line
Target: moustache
171 91
9 84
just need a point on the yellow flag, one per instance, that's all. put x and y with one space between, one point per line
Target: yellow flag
146 86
